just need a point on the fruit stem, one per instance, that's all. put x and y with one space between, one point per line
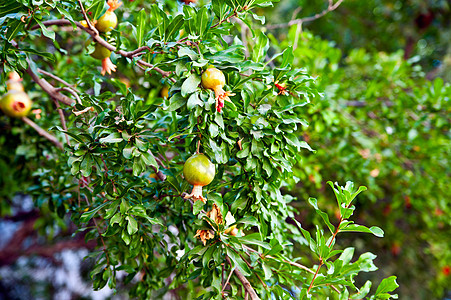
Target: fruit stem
198 146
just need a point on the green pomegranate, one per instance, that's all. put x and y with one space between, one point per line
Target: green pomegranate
103 54
108 21
100 52
15 104
198 171
214 79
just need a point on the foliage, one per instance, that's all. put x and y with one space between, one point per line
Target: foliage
419 27
120 178
386 126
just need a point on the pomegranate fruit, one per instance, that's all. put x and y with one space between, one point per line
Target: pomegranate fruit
15 104
198 171
214 79
14 82
108 21
103 54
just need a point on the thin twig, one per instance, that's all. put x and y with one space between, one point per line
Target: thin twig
43 132
85 16
329 8
228 279
96 37
63 119
246 284
77 113
71 91
288 262
59 79
50 89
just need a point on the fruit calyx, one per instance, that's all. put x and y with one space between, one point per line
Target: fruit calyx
102 53
214 79
198 171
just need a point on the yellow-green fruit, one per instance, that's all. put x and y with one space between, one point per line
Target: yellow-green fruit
100 52
213 78
14 85
15 104
107 22
199 170
164 93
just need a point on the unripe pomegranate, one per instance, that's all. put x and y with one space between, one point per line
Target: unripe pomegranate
103 54
14 82
214 79
108 21
198 171
15 104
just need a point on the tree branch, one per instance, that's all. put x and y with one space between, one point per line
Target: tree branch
43 132
50 89
63 120
58 79
96 37
246 284
329 8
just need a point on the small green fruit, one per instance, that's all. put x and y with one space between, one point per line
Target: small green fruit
199 170
100 52
15 104
107 22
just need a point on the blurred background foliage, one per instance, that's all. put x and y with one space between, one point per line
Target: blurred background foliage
384 121
384 68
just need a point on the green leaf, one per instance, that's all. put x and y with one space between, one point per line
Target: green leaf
48 33
254 239
183 51
10 7
197 207
96 8
287 57
386 286
238 262
324 216
125 237
194 101
132 226
363 291
141 26
360 228
260 48
85 217
49 56
149 159
114 137
190 85
203 20
175 102
13 29
174 27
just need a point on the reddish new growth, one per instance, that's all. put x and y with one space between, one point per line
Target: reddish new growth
282 89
